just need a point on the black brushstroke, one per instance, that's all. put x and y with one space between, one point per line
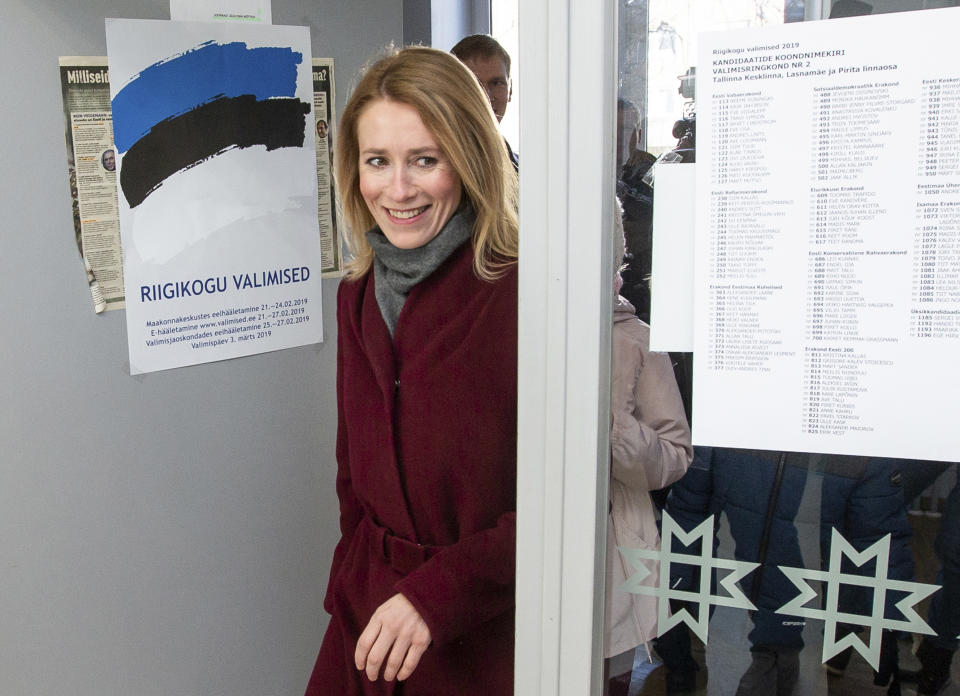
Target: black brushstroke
184 141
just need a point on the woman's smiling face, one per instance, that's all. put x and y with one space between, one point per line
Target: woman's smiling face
406 180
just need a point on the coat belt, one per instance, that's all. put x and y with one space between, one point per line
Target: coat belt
402 555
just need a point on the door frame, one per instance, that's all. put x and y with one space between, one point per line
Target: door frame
567 137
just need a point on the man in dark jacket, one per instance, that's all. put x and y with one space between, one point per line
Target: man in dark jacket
490 62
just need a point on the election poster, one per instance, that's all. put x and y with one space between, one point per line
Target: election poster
216 162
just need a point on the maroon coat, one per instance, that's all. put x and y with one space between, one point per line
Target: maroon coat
426 451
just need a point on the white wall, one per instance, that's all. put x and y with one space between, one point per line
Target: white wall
168 534
451 20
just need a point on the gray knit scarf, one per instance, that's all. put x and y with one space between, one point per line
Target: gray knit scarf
397 271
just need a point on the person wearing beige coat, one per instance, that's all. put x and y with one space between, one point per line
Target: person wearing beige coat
649 449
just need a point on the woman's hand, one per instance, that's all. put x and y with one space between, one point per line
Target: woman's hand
395 629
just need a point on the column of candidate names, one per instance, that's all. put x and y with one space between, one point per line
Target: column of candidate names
744 226
935 278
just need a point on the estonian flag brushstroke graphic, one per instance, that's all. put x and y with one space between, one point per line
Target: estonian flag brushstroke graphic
181 111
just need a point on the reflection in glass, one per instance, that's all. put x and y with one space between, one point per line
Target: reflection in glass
819 547
649 449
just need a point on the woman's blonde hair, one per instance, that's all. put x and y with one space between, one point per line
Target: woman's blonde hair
455 110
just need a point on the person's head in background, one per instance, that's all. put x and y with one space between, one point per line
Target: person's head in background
490 62
109 160
628 131
850 8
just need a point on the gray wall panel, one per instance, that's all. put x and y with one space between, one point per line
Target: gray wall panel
168 534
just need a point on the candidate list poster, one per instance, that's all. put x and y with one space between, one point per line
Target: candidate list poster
827 295
214 131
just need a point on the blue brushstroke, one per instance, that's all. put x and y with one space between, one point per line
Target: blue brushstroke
178 84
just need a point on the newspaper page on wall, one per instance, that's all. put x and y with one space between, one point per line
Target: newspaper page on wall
215 130
91 164
828 237
325 112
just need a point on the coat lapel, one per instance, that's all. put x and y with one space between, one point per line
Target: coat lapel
378 345
379 349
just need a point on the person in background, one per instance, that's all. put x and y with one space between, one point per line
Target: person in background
421 586
637 197
850 8
936 652
490 62
649 449
760 493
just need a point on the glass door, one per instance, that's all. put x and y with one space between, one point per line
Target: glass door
788 572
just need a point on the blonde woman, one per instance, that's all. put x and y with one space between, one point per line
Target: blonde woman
421 589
